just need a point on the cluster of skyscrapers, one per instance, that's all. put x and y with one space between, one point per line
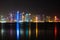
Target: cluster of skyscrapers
27 17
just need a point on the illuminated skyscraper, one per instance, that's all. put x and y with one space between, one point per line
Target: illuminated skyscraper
27 17
23 18
11 17
47 18
1 17
56 19
20 17
17 25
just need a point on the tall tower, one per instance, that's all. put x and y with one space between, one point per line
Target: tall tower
17 25
23 17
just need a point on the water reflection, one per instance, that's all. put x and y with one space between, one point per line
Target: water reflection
28 31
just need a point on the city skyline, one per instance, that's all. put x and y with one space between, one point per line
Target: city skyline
28 17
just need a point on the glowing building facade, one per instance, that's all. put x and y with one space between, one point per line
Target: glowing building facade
27 18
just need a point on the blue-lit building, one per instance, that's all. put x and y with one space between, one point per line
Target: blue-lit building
20 17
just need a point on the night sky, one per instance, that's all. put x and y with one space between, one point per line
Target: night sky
47 7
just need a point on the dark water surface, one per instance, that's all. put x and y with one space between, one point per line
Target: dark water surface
45 31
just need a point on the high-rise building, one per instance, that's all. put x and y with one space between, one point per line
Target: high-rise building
20 17
27 17
23 17
11 17
47 18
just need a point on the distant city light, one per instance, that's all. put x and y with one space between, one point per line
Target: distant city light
36 19
2 21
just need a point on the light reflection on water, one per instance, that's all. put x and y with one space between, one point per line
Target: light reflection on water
45 31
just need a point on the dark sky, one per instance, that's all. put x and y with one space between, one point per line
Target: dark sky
47 7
